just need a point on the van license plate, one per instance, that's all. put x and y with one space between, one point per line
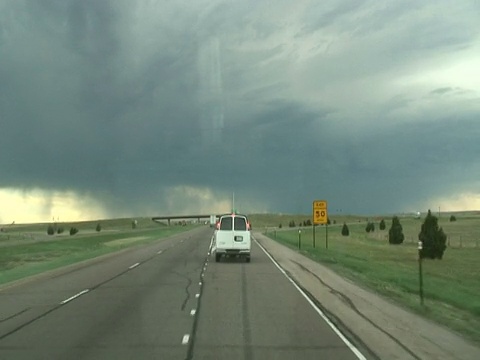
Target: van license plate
238 238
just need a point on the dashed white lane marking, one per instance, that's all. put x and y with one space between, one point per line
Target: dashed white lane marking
134 266
159 252
197 295
74 296
193 312
200 283
185 339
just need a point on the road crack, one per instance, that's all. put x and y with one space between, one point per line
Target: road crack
351 304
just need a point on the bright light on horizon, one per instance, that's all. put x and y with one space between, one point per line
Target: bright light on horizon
37 205
458 202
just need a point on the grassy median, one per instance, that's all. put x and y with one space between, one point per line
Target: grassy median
26 250
451 285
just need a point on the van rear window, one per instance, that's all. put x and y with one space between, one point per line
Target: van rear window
240 224
237 223
226 223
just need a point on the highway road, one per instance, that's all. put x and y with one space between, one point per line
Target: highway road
167 300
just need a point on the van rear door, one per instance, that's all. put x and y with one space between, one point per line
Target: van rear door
240 240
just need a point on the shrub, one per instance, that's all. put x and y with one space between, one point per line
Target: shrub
60 230
382 225
453 218
395 234
73 230
345 231
291 223
433 238
370 227
50 230
280 226
98 228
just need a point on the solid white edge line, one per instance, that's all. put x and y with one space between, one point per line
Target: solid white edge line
134 266
74 296
318 310
185 339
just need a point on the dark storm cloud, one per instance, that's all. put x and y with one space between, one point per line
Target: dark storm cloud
127 100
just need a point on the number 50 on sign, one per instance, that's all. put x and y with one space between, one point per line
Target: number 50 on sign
320 215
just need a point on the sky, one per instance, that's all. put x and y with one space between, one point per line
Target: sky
119 108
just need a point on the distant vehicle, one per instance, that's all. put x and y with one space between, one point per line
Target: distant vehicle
232 237
213 220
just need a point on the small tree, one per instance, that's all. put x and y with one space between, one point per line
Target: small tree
453 218
60 230
73 230
50 230
395 234
328 220
280 225
309 222
98 228
345 231
370 227
433 238
382 225
291 223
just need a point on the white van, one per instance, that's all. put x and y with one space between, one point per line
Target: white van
232 237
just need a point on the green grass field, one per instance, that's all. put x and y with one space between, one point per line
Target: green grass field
27 250
451 285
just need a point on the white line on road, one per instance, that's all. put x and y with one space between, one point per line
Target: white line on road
74 296
134 266
159 252
197 295
185 339
200 283
315 307
210 247
193 312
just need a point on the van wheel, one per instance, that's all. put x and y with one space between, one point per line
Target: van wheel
217 257
247 259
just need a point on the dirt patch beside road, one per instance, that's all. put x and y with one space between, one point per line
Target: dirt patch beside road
388 330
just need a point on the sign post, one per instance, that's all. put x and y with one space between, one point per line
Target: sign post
420 273
320 216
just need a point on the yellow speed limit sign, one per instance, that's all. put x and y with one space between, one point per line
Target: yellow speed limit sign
320 215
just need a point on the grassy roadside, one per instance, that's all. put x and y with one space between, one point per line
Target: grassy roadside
451 286
26 250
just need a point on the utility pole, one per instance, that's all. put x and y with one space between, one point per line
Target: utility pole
420 274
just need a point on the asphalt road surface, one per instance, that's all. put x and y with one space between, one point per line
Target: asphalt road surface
167 300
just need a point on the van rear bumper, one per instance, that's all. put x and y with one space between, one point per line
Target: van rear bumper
233 251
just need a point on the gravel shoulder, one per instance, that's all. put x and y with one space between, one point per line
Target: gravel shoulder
386 329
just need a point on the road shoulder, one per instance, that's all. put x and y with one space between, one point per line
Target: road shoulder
388 330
